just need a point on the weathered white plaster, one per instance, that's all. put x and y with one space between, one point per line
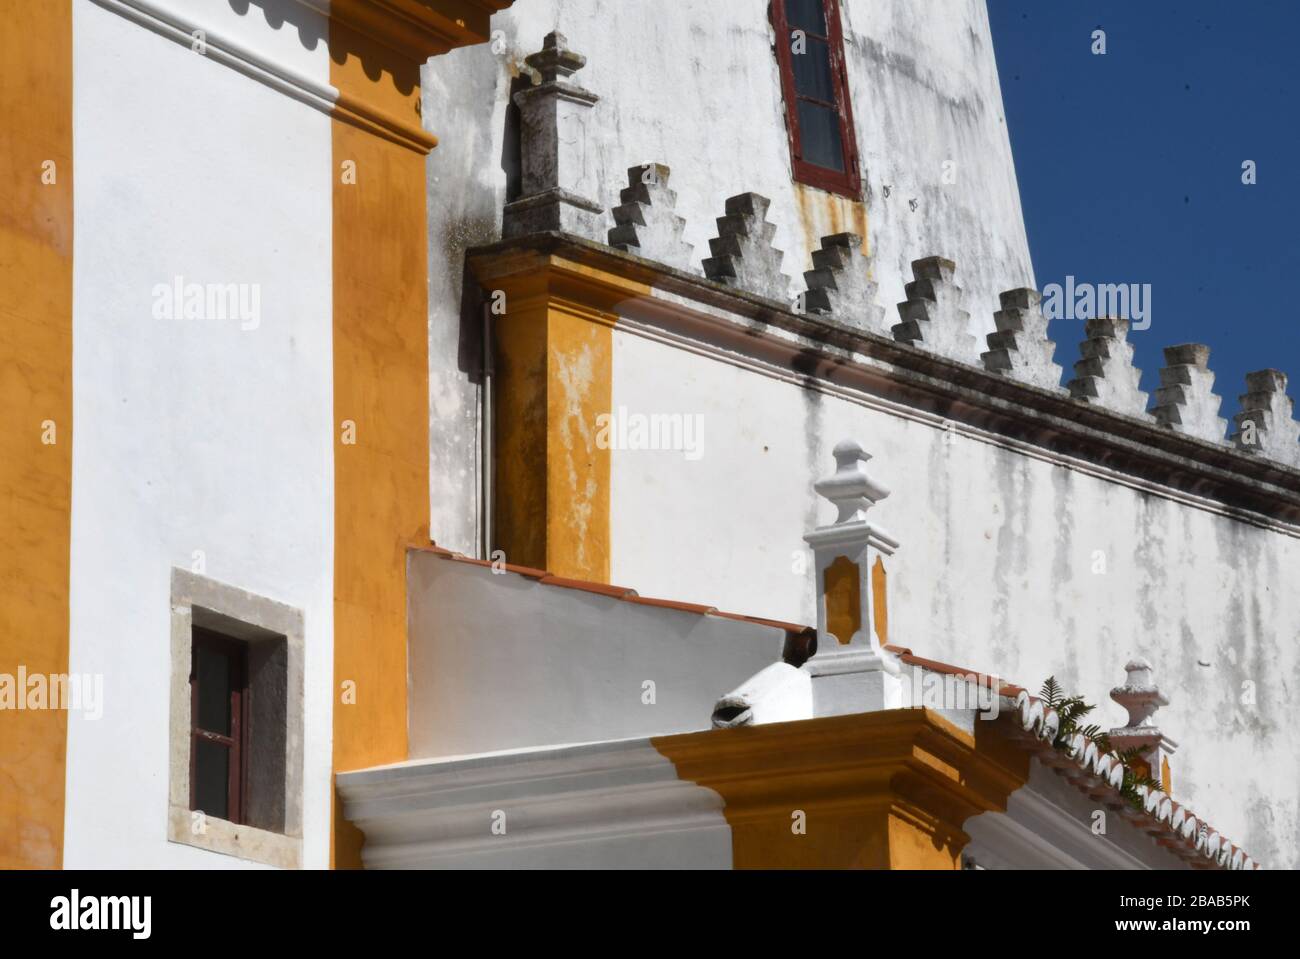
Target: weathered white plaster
696 86
1020 565
197 442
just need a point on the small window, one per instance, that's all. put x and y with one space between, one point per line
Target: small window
814 84
237 730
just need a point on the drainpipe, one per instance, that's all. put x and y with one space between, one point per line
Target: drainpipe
486 461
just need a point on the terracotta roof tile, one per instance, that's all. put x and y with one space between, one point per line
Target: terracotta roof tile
934 666
774 623
1034 721
587 586
620 592
507 567
672 604
1203 847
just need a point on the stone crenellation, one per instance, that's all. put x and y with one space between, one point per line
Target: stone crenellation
743 254
1266 424
1020 348
1105 374
934 315
645 222
1185 400
840 285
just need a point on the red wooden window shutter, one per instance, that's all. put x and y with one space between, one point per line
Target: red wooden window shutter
814 85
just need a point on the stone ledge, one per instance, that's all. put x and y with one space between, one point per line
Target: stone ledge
1255 489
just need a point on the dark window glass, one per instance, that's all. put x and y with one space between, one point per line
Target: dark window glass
812 72
820 129
215 680
211 778
219 728
806 15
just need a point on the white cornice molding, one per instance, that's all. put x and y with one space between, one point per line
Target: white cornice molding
417 29
749 332
883 404
1035 834
219 48
440 813
1046 825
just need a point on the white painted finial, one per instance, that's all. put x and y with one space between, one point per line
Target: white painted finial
851 670
1142 698
852 490
1139 694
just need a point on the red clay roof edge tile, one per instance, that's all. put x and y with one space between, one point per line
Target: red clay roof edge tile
617 592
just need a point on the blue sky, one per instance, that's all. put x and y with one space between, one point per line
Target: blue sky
1130 168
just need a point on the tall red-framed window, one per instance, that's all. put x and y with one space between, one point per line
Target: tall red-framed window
219 712
814 83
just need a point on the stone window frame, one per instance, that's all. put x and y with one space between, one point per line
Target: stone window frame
246 616
849 182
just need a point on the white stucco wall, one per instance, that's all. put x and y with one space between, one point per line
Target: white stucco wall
995 571
192 434
500 661
696 86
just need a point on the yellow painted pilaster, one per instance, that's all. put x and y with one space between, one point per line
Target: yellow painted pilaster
885 790
36 399
554 380
381 368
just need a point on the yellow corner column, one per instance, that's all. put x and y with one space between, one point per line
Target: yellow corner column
554 345
36 396
381 500
381 368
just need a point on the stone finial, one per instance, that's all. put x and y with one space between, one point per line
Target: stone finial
1139 695
1185 400
555 61
1142 699
933 315
1020 347
556 182
851 671
743 255
839 285
1266 424
645 223
1106 375
850 489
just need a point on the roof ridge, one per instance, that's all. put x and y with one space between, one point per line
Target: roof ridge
624 593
